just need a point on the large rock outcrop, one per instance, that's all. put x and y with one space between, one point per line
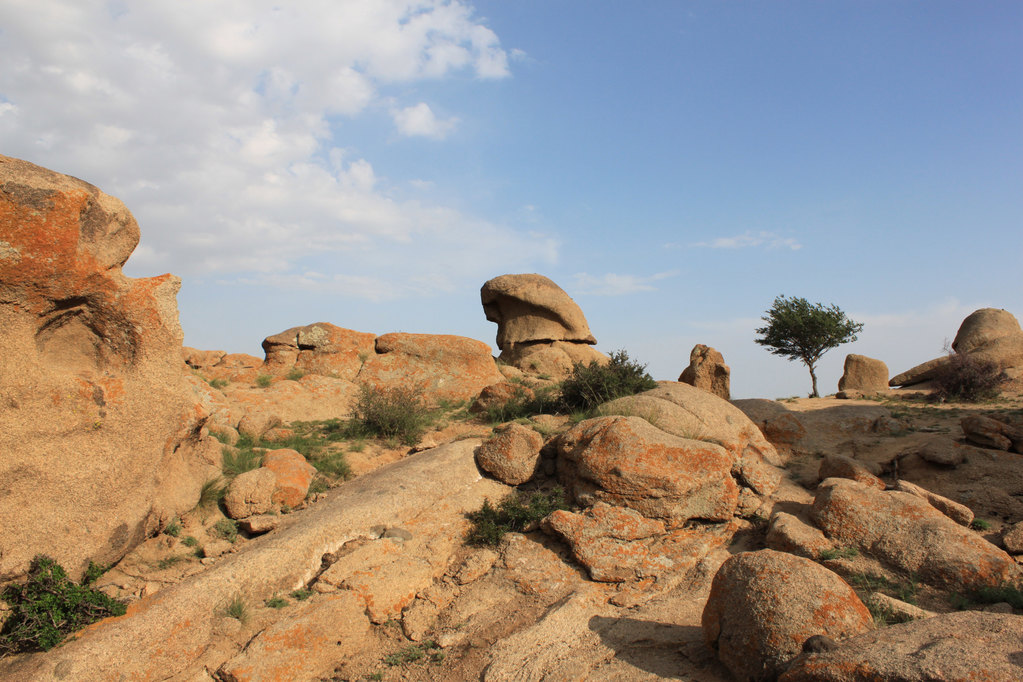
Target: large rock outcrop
987 335
101 438
320 348
863 376
540 329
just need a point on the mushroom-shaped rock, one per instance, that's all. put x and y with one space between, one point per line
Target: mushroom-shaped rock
532 308
764 605
707 371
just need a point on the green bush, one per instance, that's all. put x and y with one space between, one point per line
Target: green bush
173 528
264 380
966 379
545 400
218 384
48 607
227 529
591 385
295 375
397 412
513 514
240 459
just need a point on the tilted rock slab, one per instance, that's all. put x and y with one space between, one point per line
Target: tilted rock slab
952 647
763 605
166 636
101 437
907 532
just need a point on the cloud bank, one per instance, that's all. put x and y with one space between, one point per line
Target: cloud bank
222 125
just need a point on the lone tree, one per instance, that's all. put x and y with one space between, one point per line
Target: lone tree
801 331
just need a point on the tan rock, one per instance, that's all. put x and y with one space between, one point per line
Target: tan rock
235 367
554 359
100 432
531 308
250 493
255 424
959 646
497 395
445 367
305 645
320 348
201 359
867 375
292 476
262 523
512 454
984 326
840 466
907 532
992 433
959 513
763 605
789 533
534 569
1012 538
627 462
707 371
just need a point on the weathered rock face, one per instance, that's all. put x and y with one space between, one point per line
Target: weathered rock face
984 326
909 533
863 374
446 367
100 434
967 645
540 329
512 455
992 433
320 348
627 462
707 371
988 335
764 605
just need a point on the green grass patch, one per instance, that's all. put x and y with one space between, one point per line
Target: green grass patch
513 514
838 553
237 609
276 602
301 595
264 381
48 607
227 529
1008 594
218 384
415 652
980 524
173 528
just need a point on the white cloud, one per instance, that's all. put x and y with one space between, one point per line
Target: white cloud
219 124
749 239
420 121
612 284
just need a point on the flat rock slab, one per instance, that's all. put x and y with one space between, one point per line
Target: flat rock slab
166 636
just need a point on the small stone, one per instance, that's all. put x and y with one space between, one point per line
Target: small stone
399 534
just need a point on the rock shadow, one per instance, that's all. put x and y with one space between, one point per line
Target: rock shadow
667 650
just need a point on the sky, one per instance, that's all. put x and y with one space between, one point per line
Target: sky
673 165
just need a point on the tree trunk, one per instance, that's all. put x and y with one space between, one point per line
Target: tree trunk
813 377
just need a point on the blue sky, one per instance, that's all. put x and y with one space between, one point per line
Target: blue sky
674 166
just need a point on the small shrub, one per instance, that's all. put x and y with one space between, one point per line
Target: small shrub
545 400
415 652
48 607
218 384
238 460
276 602
173 528
93 572
967 379
190 541
210 495
513 514
264 381
227 529
397 412
301 595
997 595
884 615
590 385
838 553
236 609
333 464
980 524
167 562
294 375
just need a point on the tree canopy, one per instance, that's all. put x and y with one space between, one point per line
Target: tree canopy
803 331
